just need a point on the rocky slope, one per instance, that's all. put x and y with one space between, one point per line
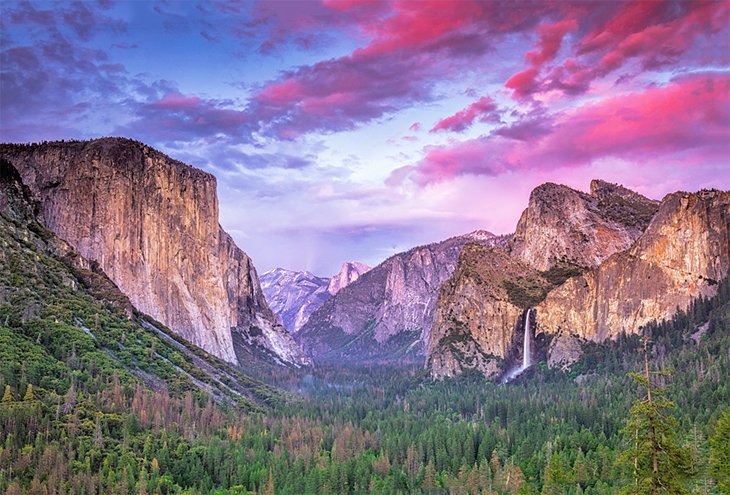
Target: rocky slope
388 312
562 224
151 224
478 315
683 253
294 296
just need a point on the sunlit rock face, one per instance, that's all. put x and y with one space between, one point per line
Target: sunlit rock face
387 313
648 258
477 317
682 254
350 271
562 224
151 223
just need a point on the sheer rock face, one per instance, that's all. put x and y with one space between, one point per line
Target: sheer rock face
151 223
293 296
681 255
350 271
562 224
476 319
387 312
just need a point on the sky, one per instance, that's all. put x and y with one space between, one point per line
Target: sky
355 129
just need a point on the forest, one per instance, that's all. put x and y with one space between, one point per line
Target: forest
98 400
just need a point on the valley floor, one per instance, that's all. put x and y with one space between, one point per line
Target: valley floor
367 430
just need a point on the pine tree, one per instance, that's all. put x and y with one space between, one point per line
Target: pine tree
659 465
720 453
29 395
8 395
269 487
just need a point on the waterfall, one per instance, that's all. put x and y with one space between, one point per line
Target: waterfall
517 370
526 342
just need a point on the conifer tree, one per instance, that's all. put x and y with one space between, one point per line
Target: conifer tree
29 395
720 453
8 395
659 465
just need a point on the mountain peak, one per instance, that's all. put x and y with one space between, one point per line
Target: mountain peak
350 271
561 224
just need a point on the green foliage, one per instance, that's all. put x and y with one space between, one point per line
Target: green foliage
720 453
657 462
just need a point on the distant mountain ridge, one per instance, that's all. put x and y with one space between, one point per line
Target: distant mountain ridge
293 296
387 313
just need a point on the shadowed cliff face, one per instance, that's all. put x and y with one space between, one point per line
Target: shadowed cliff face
151 223
562 224
683 253
387 313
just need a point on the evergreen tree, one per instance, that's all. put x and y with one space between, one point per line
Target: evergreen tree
29 395
8 395
720 453
269 487
659 465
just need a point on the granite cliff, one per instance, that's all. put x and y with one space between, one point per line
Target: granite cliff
151 224
648 259
561 224
683 253
387 313
478 315
350 271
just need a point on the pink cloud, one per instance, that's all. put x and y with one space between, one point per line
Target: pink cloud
523 83
551 37
689 118
175 116
176 101
411 48
484 108
656 34
415 127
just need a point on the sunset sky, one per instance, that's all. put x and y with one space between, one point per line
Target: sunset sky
352 130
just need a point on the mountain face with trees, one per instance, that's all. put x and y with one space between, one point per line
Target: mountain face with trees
681 254
151 225
387 313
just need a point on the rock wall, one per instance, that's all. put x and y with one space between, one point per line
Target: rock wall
683 253
151 223
476 318
562 224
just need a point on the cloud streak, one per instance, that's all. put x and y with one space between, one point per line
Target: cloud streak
689 117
